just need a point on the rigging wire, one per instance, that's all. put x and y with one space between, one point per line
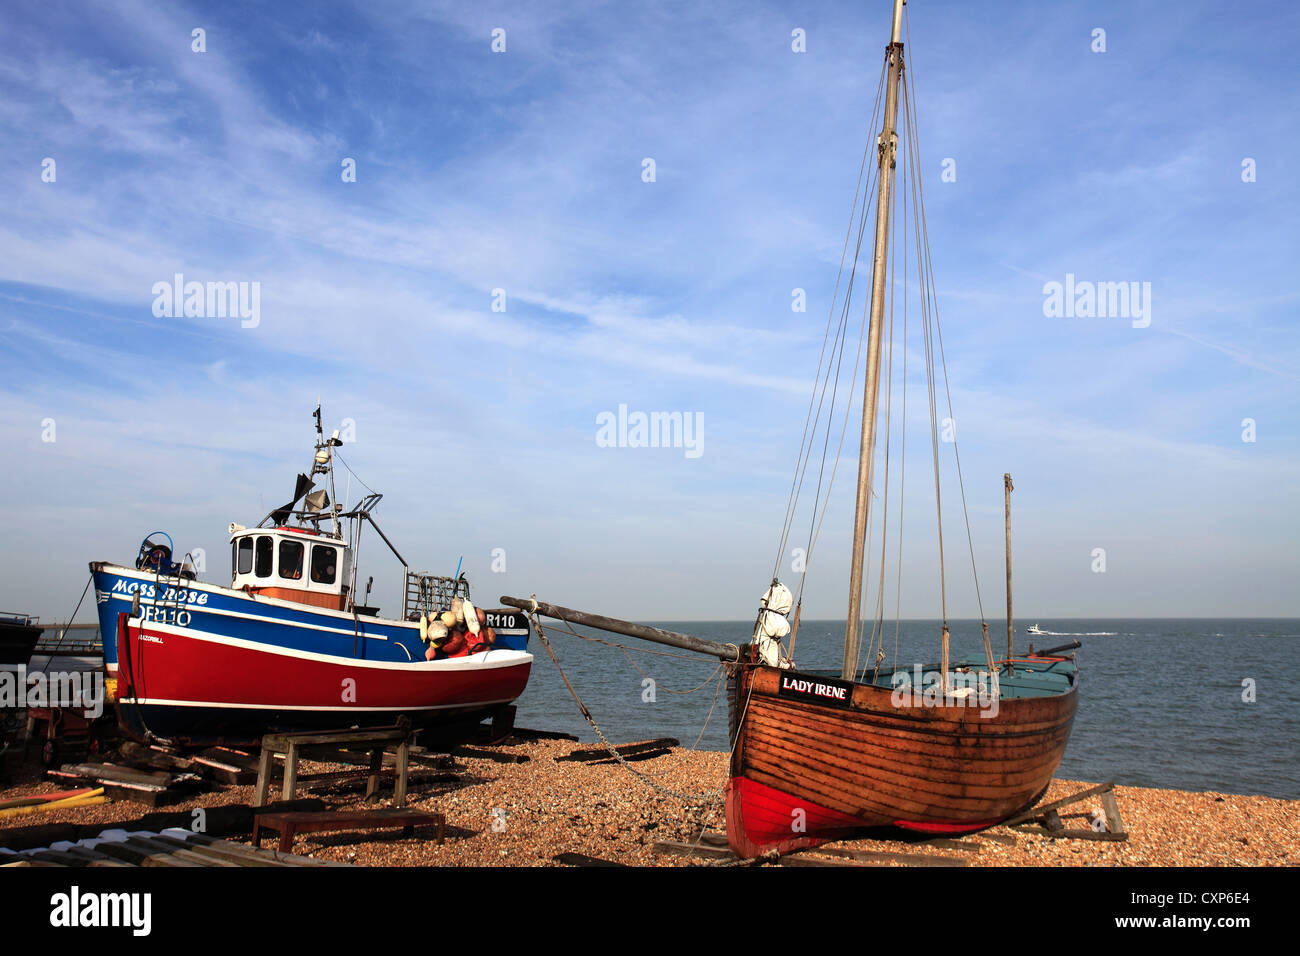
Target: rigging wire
808 443
820 419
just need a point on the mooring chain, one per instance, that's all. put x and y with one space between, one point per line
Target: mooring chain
668 791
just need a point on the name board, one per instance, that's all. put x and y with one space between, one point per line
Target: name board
817 690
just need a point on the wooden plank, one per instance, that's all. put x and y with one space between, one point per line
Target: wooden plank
219 854
146 796
494 756
944 843
264 767
222 820
801 860
140 856
1114 822
182 853
587 754
1039 811
280 742
693 850
523 733
372 783
581 859
114 773
230 755
1089 835
260 855
403 755
290 771
290 824
347 781
884 856
138 755
630 758
230 774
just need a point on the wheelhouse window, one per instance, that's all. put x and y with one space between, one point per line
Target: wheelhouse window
324 563
245 556
291 554
264 557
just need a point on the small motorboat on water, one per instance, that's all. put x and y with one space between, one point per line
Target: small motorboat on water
1034 629
289 644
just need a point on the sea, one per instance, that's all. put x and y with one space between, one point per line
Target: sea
1194 704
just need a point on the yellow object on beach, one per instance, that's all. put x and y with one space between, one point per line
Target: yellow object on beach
89 798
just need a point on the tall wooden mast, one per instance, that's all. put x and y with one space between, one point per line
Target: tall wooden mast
1011 651
887 148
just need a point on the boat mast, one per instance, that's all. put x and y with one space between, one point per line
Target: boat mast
323 464
1007 489
886 148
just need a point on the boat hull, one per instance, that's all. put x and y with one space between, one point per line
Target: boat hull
191 685
805 771
17 640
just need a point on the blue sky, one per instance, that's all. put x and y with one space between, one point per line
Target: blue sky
522 171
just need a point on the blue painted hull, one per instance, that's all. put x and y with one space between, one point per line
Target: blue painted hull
265 621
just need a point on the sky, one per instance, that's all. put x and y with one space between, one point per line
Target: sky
500 275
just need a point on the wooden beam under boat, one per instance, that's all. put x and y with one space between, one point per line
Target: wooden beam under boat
726 652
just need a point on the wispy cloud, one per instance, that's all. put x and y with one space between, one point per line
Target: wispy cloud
522 172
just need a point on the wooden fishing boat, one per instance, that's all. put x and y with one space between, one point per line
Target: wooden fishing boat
808 767
942 747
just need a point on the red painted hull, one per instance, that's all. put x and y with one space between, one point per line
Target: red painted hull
176 682
761 818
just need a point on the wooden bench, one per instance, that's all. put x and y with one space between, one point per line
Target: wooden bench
322 743
289 824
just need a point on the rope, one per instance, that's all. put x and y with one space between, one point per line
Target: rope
668 791
68 626
930 307
837 348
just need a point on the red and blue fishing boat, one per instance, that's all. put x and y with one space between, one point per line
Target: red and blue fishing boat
289 643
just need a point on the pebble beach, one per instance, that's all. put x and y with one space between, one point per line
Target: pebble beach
529 813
